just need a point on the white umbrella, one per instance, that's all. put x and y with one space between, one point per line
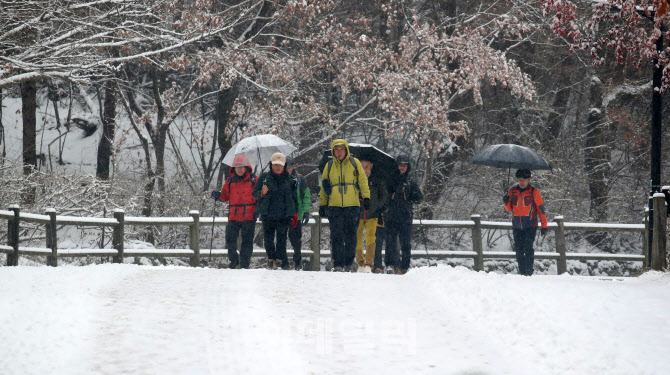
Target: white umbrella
258 149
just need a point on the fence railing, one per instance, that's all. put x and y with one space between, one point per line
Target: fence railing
195 223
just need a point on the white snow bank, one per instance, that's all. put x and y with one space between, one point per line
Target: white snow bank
116 319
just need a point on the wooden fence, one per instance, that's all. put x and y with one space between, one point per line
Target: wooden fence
195 223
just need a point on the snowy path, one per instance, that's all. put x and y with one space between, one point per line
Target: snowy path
119 319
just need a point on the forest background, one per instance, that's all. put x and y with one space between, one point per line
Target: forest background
163 88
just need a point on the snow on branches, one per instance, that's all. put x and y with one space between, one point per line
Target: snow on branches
629 28
310 63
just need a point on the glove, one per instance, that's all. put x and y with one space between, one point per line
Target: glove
305 219
543 232
506 198
294 221
216 194
323 211
366 203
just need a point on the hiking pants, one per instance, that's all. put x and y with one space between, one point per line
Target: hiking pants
272 227
403 231
523 246
343 224
295 236
370 227
380 240
232 232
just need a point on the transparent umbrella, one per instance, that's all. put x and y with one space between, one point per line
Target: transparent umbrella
258 149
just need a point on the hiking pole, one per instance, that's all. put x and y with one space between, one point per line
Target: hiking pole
423 235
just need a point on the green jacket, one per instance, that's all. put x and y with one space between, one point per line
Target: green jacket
378 198
304 196
347 186
290 195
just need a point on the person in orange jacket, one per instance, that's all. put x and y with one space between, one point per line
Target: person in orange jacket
525 201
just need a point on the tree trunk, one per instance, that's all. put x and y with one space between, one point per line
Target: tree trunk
224 106
597 159
108 131
2 131
439 167
159 137
159 150
29 109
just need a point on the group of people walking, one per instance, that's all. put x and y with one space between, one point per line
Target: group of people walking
365 211
282 200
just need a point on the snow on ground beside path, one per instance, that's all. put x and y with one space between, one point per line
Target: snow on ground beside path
114 319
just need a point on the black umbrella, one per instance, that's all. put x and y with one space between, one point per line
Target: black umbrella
510 156
384 164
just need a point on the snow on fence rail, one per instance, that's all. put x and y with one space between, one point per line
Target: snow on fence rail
194 222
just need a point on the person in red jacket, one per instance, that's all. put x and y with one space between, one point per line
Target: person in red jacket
241 211
526 203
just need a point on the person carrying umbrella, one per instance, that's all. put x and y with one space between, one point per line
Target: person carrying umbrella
238 190
404 192
344 183
525 201
304 203
368 219
278 208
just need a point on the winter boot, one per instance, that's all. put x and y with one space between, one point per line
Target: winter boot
277 265
271 264
390 270
400 271
366 269
378 270
338 269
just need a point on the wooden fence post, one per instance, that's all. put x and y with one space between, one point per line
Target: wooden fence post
118 235
659 239
562 263
194 237
13 236
52 238
477 242
645 240
315 244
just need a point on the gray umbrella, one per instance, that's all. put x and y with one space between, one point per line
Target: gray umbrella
510 156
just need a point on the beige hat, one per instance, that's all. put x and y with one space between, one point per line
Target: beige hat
278 158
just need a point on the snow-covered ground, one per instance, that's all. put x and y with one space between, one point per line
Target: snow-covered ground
116 319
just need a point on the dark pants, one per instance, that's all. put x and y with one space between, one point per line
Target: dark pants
379 245
395 230
270 228
523 246
295 236
232 232
343 226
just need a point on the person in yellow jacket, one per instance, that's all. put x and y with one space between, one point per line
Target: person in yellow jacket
344 185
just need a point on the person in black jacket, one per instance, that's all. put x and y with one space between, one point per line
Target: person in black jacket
404 193
278 208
